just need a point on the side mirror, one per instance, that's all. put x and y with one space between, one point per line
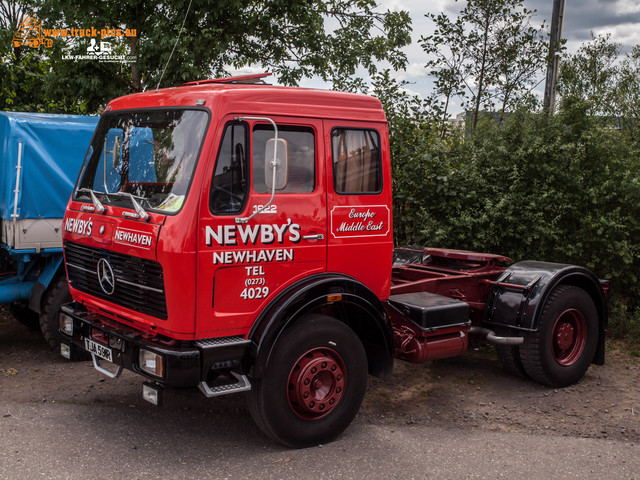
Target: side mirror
276 156
116 152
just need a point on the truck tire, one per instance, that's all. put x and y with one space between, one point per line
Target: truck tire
56 295
313 385
559 353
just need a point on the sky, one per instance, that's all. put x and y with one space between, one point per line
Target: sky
620 18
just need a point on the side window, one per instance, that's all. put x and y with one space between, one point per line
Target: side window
229 183
301 142
356 160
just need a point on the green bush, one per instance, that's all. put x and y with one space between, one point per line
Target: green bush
562 189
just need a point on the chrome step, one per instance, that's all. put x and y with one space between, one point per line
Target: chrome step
111 374
222 342
242 385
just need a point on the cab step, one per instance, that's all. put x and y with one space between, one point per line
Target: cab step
242 385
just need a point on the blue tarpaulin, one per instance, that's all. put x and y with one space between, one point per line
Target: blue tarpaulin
53 148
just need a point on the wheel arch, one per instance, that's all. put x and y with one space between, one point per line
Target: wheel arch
521 308
358 307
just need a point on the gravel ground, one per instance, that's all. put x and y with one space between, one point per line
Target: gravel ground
470 392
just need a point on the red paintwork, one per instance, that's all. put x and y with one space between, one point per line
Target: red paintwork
487 258
223 99
416 346
204 294
466 276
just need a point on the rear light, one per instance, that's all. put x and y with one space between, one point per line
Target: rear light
150 362
66 324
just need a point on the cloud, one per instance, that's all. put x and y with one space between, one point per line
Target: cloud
416 70
420 7
619 17
628 34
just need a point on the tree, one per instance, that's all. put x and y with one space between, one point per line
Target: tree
22 72
491 51
628 93
591 74
448 65
27 74
606 83
293 39
522 57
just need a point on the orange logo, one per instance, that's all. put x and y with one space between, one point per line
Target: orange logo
30 33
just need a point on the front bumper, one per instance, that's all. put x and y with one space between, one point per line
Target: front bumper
185 364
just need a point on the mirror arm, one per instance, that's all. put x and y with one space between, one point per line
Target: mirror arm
104 178
273 167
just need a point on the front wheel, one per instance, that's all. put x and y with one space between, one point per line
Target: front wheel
56 295
559 353
313 384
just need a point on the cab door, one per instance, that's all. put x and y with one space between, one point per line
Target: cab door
249 250
360 242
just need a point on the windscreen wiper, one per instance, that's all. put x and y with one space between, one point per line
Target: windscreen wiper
142 213
100 208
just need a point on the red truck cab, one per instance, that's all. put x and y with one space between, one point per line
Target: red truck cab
237 236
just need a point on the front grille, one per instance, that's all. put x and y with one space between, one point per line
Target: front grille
139 283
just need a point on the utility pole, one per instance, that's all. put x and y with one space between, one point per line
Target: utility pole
557 19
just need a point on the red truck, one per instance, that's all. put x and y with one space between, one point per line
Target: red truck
237 236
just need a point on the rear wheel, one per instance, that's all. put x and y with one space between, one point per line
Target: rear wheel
313 384
560 351
56 295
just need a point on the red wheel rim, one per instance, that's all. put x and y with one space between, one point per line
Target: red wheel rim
569 337
316 383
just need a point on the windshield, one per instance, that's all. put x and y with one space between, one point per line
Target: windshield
147 154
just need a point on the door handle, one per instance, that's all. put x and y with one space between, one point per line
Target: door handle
318 236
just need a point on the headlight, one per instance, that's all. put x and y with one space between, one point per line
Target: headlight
66 324
150 362
65 351
152 393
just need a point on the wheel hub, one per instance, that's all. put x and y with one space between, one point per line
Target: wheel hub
316 383
565 336
569 337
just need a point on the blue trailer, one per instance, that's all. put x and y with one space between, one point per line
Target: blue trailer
40 158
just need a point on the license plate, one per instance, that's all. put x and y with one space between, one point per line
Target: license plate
98 350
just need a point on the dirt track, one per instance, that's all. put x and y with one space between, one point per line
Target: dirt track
469 392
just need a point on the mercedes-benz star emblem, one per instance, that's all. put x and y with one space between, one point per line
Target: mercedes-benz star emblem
106 278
